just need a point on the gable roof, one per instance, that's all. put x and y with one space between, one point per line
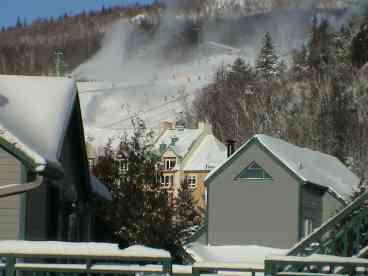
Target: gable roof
185 139
36 111
208 155
308 165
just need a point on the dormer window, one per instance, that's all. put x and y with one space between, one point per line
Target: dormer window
253 171
170 164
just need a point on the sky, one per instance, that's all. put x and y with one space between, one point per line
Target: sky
29 10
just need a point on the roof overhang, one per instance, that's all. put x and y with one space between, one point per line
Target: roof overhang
33 161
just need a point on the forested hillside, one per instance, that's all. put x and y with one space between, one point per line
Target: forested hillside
30 49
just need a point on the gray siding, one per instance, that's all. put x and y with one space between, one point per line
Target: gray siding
10 171
330 205
312 205
262 212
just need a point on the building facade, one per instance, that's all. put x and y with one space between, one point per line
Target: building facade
42 142
187 156
272 193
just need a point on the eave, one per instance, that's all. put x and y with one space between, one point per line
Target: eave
33 161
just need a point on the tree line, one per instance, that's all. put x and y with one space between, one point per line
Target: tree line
29 49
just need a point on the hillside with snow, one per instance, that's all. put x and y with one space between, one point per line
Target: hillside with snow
153 74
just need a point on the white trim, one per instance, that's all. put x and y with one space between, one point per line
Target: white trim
14 189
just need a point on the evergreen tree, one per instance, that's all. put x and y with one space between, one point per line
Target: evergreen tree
19 23
187 214
267 62
141 211
241 73
360 46
320 58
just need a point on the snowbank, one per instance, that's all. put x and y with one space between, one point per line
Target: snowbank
246 254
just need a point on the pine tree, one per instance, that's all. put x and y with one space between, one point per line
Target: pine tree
320 50
360 46
240 73
267 62
187 214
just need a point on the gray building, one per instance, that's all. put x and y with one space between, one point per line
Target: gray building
46 190
272 193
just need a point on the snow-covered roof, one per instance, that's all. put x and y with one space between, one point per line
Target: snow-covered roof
246 254
185 138
309 165
36 111
208 155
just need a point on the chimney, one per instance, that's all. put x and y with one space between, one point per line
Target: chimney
230 144
180 125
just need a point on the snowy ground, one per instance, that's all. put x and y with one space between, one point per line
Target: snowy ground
246 254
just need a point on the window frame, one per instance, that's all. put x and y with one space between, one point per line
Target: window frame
265 175
166 181
192 182
169 164
307 226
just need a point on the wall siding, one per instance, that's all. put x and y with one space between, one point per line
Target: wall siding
312 205
10 173
330 206
262 212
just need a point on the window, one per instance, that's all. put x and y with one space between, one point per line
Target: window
122 165
254 171
192 182
308 226
170 164
166 181
91 163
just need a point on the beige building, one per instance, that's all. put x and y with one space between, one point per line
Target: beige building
188 155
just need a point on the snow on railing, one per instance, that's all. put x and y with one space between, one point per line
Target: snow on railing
84 258
216 267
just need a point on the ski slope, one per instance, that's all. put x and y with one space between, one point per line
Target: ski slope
108 106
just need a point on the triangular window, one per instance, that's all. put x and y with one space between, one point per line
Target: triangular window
253 171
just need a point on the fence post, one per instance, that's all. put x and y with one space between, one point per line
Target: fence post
167 267
9 269
195 271
268 268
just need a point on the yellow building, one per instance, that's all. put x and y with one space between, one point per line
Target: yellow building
188 155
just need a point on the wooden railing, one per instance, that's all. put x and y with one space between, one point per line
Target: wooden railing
60 258
208 268
81 258
344 234
315 265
